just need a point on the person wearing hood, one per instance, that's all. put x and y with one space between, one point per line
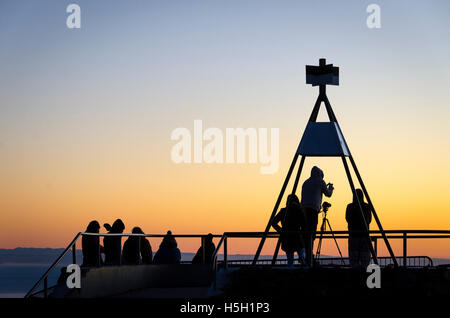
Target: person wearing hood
358 240
91 247
168 252
292 219
137 250
145 248
312 190
208 247
113 244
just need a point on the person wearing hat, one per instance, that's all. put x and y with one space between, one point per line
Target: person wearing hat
168 252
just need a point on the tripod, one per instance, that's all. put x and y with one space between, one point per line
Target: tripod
323 227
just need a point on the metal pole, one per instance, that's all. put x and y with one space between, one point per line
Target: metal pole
225 252
316 107
375 243
74 253
140 261
352 186
361 182
99 256
203 250
56 262
322 229
277 250
120 256
277 204
335 241
404 248
330 111
297 177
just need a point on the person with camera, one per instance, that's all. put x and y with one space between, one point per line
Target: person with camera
312 190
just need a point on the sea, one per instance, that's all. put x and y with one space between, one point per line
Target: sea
16 279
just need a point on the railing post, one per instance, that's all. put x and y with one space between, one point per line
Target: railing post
375 245
74 253
225 252
203 250
139 250
277 250
310 249
120 257
45 287
99 256
404 248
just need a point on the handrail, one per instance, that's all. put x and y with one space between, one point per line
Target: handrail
56 262
258 234
214 256
223 239
147 235
383 259
329 234
44 277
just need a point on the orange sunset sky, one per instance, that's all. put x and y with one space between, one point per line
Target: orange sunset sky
86 115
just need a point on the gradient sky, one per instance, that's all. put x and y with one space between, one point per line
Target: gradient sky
86 115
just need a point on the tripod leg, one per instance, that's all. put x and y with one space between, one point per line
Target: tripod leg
277 204
335 241
319 244
319 247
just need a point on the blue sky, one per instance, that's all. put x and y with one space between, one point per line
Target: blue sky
76 102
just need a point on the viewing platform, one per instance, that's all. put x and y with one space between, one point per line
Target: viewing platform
413 274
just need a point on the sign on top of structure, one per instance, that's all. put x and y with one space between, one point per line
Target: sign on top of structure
322 74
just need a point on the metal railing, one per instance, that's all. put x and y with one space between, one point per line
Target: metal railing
223 242
404 235
72 247
412 262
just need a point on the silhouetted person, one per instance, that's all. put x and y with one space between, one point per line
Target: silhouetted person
145 248
168 252
358 242
113 244
137 250
312 190
63 275
292 218
61 289
91 247
131 254
209 249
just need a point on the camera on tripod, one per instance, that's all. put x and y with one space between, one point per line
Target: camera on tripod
325 206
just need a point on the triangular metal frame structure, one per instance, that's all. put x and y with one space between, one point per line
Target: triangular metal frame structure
326 140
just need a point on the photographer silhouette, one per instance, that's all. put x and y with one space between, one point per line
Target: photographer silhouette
312 190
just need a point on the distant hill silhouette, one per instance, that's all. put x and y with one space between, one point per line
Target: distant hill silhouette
22 255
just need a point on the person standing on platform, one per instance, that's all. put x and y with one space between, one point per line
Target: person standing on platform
312 190
292 220
358 239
